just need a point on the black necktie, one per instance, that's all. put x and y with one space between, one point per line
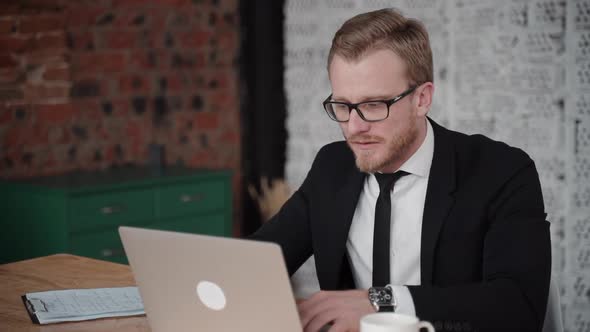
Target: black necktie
382 231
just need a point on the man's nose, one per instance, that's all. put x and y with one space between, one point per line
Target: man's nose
356 124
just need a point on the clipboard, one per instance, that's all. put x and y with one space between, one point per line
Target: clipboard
69 305
31 306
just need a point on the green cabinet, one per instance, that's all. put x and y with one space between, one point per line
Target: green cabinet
79 213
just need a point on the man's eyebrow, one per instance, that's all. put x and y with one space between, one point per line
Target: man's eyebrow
366 98
338 98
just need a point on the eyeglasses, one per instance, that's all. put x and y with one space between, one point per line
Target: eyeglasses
370 111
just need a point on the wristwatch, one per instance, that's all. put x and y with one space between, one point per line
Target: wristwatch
382 298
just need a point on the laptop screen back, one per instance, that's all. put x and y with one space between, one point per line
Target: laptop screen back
194 282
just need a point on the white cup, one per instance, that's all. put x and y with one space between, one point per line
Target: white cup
392 322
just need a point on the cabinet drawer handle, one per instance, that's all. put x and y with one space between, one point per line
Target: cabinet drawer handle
191 198
111 209
112 252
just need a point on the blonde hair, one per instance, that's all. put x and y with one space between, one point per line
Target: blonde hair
386 29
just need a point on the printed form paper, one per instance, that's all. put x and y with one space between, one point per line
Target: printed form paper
83 304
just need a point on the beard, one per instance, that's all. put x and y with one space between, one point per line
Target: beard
393 150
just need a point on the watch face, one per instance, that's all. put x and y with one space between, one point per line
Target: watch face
380 295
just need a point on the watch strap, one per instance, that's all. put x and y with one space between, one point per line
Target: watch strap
386 308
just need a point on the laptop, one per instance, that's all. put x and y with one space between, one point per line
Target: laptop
192 282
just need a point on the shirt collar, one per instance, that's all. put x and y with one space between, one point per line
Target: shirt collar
420 162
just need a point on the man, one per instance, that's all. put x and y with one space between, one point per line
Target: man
457 236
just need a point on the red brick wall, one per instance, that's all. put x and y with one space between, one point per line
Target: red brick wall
90 84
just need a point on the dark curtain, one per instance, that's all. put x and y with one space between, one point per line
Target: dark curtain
263 108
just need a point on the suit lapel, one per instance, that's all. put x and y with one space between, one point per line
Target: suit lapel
441 184
332 236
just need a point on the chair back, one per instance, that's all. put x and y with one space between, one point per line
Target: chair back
553 321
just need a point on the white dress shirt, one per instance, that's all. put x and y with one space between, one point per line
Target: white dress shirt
407 209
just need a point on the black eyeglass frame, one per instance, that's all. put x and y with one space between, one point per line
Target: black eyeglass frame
387 102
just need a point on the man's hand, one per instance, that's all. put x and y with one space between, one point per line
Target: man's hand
342 309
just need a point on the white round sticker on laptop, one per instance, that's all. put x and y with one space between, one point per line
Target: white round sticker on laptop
211 295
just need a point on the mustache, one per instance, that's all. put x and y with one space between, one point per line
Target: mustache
364 138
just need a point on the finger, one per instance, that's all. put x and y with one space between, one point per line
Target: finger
299 300
325 300
264 185
309 307
343 325
321 319
273 183
323 309
283 187
252 191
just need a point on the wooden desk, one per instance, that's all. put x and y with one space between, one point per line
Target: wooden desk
61 272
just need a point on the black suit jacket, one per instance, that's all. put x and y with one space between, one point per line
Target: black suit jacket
485 255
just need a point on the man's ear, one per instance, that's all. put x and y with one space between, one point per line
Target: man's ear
423 98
